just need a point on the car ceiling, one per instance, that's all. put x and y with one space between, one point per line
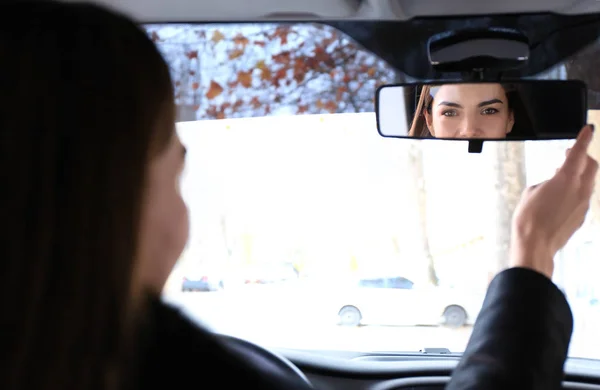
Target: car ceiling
556 29
154 11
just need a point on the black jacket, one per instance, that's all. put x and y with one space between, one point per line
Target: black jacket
521 337
178 354
520 341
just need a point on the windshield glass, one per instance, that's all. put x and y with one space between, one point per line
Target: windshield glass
310 231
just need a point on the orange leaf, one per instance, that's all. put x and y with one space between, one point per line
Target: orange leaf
236 54
299 76
214 90
282 58
211 111
281 73
325 58
255 102
371 72
245 78
331 107
192 73
299 64
192 54
266 74
311 63
240 40
261 65
282 32
302 109
218 36
195 86
260 43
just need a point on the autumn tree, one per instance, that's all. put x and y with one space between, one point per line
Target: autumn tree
584 66
510 182
248 70
419 190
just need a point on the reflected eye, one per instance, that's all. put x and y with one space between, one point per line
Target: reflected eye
449 113
489 111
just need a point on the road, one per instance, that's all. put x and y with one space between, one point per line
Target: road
268 317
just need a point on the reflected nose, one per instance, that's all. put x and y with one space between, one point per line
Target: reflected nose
471 133
469 129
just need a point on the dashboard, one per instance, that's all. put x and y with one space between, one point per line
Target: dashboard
328 370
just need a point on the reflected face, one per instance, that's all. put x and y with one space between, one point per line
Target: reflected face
469 111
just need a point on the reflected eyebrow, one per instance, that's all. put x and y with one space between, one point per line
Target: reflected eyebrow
484 103
488 102
450 104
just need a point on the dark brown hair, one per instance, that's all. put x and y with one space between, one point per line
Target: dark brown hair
85 101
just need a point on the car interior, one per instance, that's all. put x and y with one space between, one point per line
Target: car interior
370 140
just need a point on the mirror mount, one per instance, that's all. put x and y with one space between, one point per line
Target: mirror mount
480 75
478 54
475 145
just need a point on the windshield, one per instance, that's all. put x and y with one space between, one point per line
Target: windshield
310 231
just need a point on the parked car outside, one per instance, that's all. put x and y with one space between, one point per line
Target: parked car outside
399 301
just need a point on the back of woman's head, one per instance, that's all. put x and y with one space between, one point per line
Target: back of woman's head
85 101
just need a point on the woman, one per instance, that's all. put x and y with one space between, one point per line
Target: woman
93 217
464 111
90 171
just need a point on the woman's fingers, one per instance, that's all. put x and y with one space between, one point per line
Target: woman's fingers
588 177
577 157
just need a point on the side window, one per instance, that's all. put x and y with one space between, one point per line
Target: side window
400 283
373 283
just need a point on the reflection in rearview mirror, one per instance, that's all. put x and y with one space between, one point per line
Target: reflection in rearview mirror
521 110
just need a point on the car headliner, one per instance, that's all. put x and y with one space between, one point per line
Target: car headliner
154 11
564 29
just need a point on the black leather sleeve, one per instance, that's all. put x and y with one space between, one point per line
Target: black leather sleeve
178 354
521 337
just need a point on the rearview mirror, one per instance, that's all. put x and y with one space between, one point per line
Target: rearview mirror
520 110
